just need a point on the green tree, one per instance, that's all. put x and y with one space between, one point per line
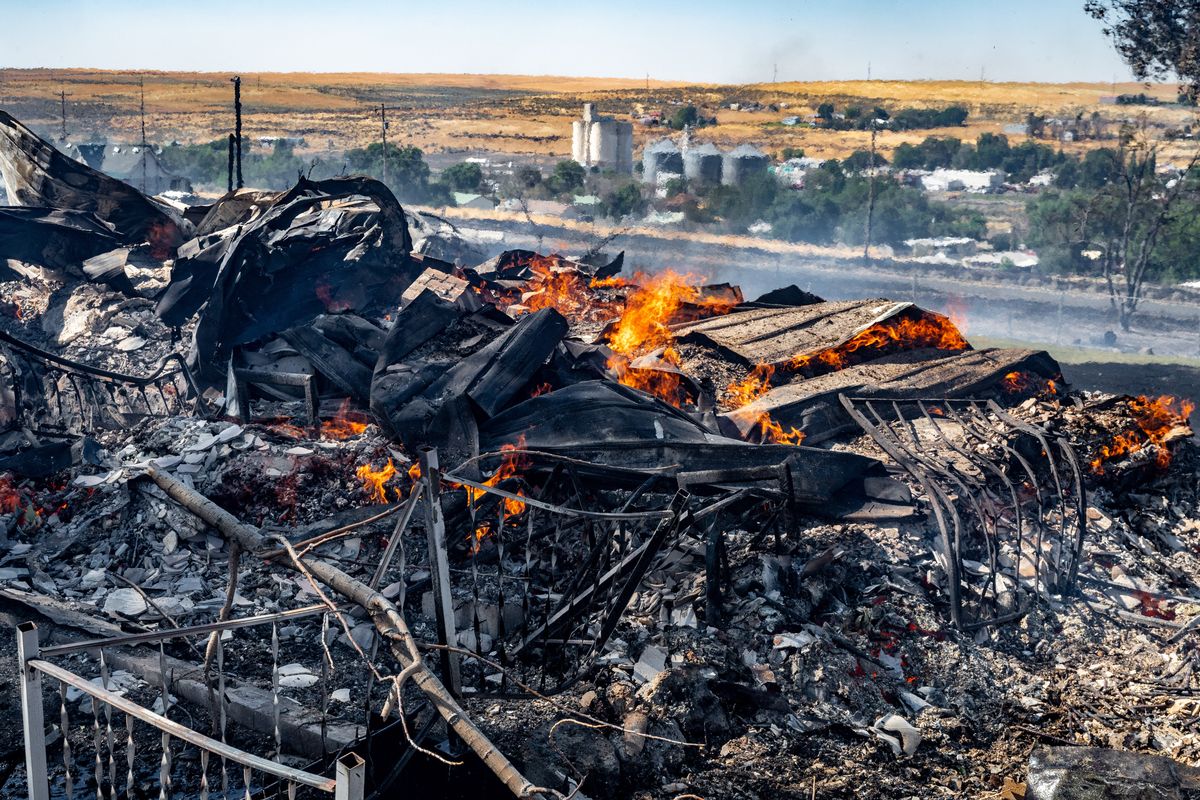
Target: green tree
825 111
463 177
1141 223
279 170
683 116
1157 38
623 202
675 187
568 176
861 160
407 172
202 164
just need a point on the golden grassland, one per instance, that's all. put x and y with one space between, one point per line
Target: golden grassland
521 114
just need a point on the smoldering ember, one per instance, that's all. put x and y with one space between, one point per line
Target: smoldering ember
295 500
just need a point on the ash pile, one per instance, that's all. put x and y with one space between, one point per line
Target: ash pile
298 472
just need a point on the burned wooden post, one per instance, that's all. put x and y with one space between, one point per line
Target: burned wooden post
237 125
383 134
232 147
439 569
62 96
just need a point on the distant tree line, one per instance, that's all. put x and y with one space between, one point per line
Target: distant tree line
906 119
206 164
991 151
830 208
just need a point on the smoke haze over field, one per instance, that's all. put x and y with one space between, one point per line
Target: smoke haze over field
705 41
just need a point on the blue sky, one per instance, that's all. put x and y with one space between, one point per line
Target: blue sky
701 40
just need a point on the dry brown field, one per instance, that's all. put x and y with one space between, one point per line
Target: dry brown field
521 114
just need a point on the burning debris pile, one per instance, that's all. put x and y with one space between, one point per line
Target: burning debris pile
596 533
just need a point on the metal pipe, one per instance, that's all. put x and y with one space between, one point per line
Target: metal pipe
176 633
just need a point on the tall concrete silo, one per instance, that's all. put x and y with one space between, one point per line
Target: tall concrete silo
599 141
702 164
661 157
742 162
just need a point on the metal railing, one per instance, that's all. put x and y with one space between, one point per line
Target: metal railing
530 583
53 393
1007 497
348 783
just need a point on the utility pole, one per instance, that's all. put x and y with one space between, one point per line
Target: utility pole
870 193
237 113
62 96
142 108
383 133
868 71
775 73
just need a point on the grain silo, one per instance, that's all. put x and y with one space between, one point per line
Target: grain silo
662 157
702 164
602 142
742 162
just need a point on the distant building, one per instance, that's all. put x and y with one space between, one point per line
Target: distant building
962 180
791 172
602 142
134 164
945 246
661 161
551 208
468 200
741 163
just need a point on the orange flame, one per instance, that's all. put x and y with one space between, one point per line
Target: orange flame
666 386
481 532
644 326
1155 419
752 387
769 430
1015 382
898 333
560 285
343 426
373 481
541 389
11 499
511 465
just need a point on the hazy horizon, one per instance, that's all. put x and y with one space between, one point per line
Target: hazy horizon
697 42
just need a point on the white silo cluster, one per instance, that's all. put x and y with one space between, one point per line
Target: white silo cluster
602 142
702 164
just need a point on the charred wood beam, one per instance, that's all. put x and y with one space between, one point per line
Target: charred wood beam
388 621
243 377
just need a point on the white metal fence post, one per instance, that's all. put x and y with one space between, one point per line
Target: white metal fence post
36 773
351 777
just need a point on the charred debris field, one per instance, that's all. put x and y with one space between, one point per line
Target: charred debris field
299 496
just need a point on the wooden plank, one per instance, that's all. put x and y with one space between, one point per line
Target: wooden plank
331 360
811 405
775 335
